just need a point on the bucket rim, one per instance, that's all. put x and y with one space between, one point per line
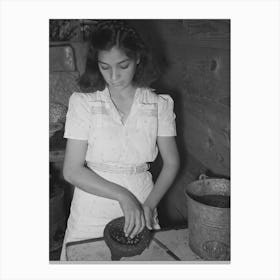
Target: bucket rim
206 180
206 205
207 186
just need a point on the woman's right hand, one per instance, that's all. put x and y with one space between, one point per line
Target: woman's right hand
133 213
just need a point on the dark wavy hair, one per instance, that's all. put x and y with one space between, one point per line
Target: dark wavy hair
110 33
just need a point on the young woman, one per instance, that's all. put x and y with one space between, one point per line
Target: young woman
114 127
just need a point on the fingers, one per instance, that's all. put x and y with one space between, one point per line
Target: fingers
127 224
139 224
130 226
136 228
134 216
136 221
143 222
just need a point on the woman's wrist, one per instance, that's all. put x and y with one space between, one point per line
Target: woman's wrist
149 203
121 193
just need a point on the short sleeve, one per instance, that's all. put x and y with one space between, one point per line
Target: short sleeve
166 116
77 118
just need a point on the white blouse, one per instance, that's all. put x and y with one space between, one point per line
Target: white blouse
94 117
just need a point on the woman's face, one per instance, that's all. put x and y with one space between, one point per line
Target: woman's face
116 68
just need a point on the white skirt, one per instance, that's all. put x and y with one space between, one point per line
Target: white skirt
89 213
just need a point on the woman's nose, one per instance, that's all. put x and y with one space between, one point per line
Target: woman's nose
115 75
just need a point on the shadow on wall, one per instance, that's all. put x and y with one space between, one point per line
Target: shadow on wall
150 31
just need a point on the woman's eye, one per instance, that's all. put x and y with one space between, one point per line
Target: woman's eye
104 68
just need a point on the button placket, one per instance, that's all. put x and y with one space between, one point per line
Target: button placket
115 110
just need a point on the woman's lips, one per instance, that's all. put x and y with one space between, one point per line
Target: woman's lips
116 84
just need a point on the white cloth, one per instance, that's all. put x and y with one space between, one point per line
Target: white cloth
94 117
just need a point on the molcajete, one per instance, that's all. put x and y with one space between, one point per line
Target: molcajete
121 246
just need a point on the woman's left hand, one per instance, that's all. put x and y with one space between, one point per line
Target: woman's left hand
148 214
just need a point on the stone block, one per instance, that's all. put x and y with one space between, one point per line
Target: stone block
58 58
62 85
206 74
64 30
207 29
215 115
209 146
62 58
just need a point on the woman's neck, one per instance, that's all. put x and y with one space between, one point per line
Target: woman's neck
123 93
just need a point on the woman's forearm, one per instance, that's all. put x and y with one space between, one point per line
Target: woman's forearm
163 183
89 181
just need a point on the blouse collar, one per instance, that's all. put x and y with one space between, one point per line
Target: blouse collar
106 93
